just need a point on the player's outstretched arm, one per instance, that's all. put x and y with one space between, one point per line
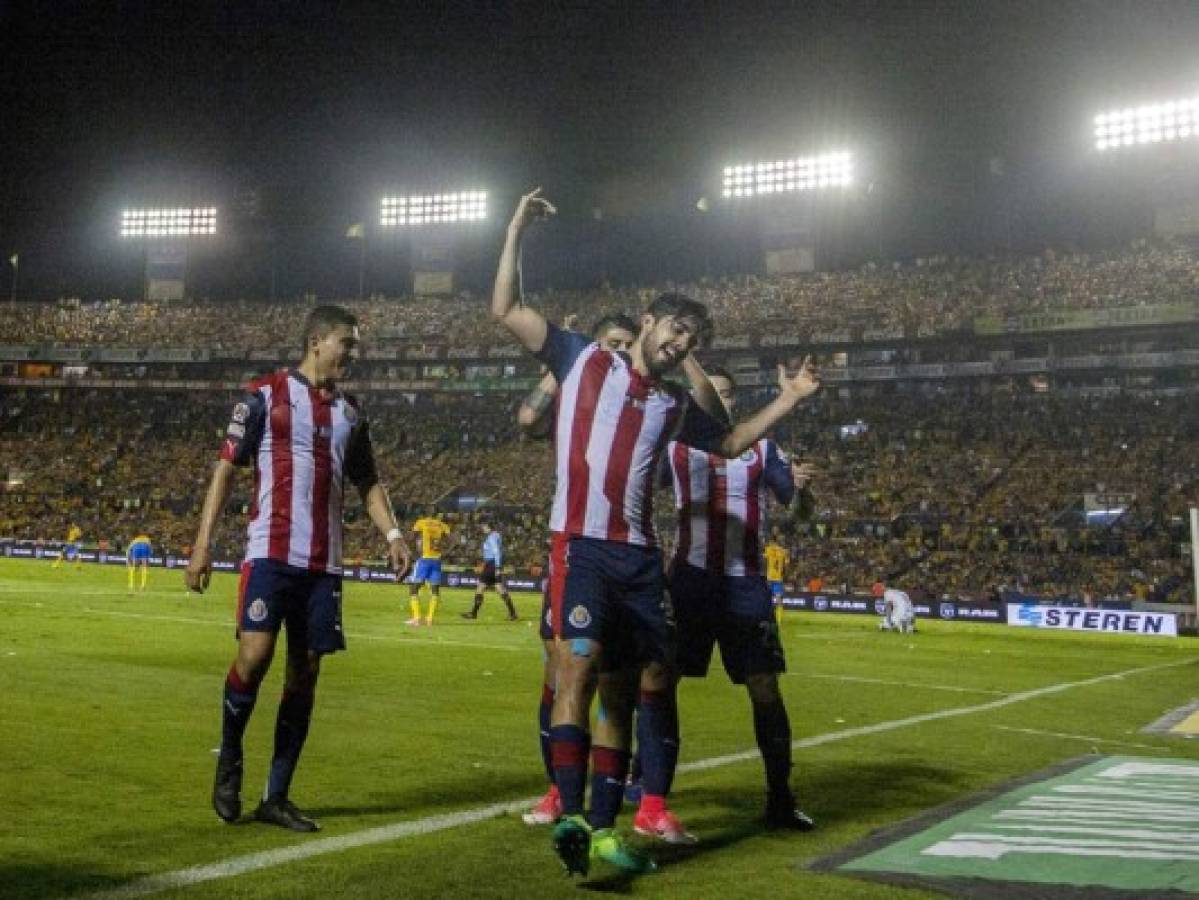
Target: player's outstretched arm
793 390
526 325
199 567
703 392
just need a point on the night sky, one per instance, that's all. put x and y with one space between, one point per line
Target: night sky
971 120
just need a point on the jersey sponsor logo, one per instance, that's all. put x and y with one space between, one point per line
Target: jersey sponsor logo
241 412
257 611
579 617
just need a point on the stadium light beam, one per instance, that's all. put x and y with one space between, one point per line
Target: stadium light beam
433 209
1150 123
785 176
173 222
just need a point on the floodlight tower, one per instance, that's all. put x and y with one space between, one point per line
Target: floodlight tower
1154 146
774 188
165 233
432 223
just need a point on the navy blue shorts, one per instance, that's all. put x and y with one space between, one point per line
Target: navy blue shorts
735 612
273 594
615 594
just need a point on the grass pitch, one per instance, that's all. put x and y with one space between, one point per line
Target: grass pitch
110 710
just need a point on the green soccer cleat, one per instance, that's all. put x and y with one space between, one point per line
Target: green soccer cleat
609 846
572 843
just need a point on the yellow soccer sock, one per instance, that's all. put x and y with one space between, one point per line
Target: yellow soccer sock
414 604
130 579
145 577
432 609
778 615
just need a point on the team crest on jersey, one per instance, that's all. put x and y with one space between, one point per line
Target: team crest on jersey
579 617
257 611
241 412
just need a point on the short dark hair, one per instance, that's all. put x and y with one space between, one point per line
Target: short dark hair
721 372
324 319
680 306
616 320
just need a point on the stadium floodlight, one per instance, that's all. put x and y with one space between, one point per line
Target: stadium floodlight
783 176
168 223
1151 123
433 209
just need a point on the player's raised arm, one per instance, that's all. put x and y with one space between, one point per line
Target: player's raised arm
793 390
527 325
703 392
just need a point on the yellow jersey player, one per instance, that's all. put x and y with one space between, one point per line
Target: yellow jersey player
70 547
777 560
433 533
138 556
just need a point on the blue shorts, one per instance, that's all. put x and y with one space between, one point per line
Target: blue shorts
615 594
70 551
139 553
776 588
273 594
427 570
735 612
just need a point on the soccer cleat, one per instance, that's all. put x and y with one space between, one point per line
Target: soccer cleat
413 622
513 618
547 811
782 813
665 826
572 843
609 846
428 623
282 812
226 789
469 615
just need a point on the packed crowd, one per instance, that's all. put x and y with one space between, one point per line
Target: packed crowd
927 296
949 494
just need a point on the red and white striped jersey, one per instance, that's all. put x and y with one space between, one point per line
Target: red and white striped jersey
303 442
721 505
611 429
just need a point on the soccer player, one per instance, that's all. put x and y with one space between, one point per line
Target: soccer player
70 547
720 597
432 532
615 415
493 561
137 555
777 559
304 439
615 333
898 612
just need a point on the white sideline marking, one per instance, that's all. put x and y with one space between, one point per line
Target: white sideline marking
910 684
254 861
223 623
1082 737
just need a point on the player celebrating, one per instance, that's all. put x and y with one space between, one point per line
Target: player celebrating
898 612
137 555
304 438
615 333
70 547
720 596
432 532
615 415
493 561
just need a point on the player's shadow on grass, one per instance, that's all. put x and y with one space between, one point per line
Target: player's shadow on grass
480 790
831 795
18 881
